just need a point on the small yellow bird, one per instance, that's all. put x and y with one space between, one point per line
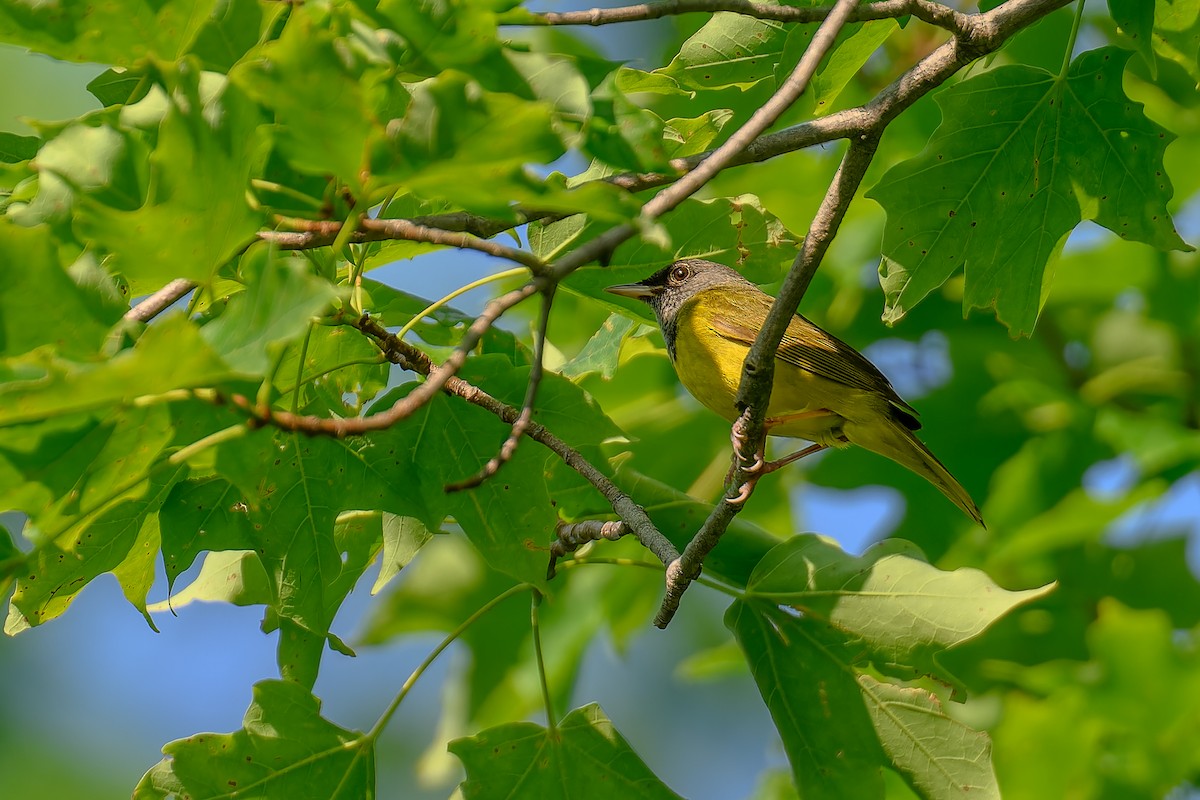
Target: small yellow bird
825 391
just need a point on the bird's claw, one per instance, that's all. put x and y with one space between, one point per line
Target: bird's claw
743 493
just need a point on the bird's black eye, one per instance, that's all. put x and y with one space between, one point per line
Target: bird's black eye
680 274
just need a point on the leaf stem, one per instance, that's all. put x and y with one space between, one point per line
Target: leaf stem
354 362
224 435
412 323
1062 74
551 720
300 368
390 711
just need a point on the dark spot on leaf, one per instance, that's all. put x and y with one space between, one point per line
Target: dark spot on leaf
953 213
974 222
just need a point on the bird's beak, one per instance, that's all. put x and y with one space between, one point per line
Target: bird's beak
638 291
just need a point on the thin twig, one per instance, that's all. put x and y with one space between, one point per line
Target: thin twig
763 118
509 448
158 302
636 521
411 358
933 13
570 536
307 234
406 406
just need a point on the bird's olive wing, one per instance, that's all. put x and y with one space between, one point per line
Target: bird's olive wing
806 346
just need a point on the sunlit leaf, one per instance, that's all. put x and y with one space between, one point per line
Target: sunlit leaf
226 576
997 199
279 303
902 608
940 757
817 706
134 30
39 276
285 748
602 351
730 50
170 355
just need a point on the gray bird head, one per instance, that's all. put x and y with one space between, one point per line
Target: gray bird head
668 289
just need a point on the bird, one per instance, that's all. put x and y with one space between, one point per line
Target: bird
825 391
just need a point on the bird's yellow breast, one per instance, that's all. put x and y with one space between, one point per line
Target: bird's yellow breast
710 367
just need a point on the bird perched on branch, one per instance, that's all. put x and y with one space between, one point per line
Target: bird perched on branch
825 391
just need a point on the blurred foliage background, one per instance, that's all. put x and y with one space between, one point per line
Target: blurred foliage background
1081 442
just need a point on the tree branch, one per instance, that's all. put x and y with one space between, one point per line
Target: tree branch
158 302
525 417
933 13
307 234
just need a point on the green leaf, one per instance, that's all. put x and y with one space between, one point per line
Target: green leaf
403 538
334 136
568 411
362 372
470 147
169 355
817 706
226 576
509 518
941 758
294 488
730 50
902 608
107 522
14 148
132 30
689 137
231 31
1135 18
285 749
202 514
441 589
119 86
280 300
453 34
584 757
622 135
632 81
602 352
10 561
185 221
997 199
23 325
1177 33
854 45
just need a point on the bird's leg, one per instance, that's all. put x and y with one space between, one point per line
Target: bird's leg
760 466
771 466
737 437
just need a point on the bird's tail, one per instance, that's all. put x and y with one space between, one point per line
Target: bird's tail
901 445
